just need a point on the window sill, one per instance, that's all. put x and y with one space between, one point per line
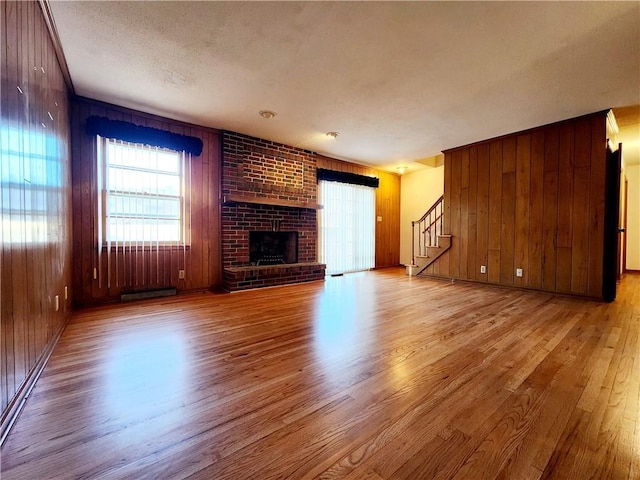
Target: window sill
144 248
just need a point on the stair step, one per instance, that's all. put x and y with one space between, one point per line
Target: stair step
423 261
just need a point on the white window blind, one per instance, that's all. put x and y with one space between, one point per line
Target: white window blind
143 208
346 227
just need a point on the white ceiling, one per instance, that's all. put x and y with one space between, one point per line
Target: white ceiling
400 81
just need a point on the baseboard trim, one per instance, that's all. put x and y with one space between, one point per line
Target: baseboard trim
511 287
17 403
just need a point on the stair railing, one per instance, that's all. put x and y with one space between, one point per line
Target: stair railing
428 228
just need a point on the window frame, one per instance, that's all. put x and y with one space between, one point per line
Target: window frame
104 194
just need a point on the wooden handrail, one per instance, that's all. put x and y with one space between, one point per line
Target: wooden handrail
433 207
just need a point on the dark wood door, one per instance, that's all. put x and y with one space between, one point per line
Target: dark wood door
611 265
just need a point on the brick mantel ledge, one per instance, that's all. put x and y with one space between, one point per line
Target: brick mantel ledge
231 199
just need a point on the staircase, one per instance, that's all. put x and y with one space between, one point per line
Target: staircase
427 240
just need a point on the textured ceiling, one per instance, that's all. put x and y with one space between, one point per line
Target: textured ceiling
400 81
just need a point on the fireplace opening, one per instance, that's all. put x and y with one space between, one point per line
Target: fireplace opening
273 248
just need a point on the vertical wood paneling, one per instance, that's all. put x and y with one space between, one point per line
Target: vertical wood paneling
465 168
388 230
35 190
214 197
30 266
199 216
582 183
565 184
441 266
536 205
509 155
597 205
507 228
563 270
86 245
464 214
495 210
464 233
387 207
201 259
532 200
482 209
582 143
565 206
10 108
472 203
522 193
550 208
549 230
495 194
580 238
455 209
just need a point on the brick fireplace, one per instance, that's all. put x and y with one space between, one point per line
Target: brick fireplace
270 188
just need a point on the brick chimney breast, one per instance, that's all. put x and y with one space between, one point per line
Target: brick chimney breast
262 170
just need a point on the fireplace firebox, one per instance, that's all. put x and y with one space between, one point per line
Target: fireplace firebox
273 248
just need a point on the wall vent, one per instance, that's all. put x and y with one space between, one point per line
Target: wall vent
160 292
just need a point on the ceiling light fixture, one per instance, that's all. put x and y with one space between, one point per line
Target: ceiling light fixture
333 134
402 169
267 114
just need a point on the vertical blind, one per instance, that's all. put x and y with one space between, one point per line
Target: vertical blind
346 227
143 211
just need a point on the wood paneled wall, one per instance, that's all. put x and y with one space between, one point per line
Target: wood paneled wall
202 261
35 199
387 207
532 200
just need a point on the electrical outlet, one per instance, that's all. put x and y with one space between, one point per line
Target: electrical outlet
483 269
518 272
181 274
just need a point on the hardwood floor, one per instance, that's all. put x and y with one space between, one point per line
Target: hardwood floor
375 375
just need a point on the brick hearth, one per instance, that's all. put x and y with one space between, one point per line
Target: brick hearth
256 171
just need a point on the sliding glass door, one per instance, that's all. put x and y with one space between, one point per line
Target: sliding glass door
346 227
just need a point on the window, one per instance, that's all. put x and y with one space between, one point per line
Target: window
143 194
346 226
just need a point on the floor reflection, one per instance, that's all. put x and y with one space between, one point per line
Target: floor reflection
146 375
341 330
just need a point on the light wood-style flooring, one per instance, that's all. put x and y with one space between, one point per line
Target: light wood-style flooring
375 375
